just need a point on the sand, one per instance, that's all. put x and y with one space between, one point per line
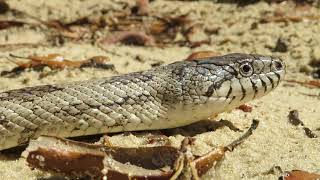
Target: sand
276 142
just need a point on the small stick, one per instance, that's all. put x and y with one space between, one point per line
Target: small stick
240 140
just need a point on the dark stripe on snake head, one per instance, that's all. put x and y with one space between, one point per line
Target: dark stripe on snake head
254 87
244 92
271 80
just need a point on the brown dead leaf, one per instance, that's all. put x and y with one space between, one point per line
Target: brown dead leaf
73 30
166 24
299 175
56 61
66 30
77 159
245 108
202 164
7 24
202 55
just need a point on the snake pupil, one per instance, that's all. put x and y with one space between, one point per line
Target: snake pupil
246 68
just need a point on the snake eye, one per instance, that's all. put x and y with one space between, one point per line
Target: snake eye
246 69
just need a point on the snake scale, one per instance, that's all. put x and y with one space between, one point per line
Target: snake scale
167 96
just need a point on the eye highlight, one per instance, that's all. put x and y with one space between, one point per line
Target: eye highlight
246 69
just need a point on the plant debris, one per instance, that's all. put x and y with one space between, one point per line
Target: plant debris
4 24
245 108
311 95
196 36
134 24
310 84
73 30
201 127
295 120
273 170
281 45
295 15
228 124
56 62
78 159
299 175
201 55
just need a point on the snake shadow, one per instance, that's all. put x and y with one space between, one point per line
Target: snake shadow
196 128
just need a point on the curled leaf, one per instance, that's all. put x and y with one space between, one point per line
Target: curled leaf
201 55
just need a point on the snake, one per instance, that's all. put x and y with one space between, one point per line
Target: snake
162 97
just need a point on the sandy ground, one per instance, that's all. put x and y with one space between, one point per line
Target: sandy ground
276 142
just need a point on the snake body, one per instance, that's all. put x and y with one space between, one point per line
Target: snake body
168 96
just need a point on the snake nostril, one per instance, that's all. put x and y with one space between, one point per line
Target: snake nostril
278 65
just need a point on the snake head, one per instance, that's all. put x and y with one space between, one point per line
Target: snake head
242 76
225 82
